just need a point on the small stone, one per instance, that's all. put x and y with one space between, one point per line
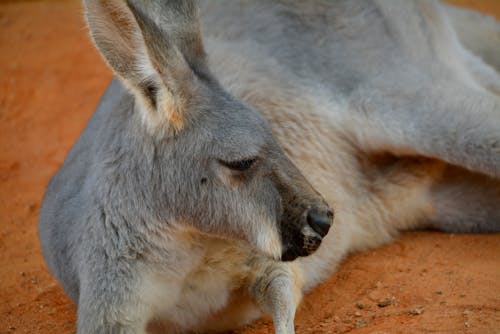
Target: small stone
386 301
360 323
12 328
360 305
336 319
22 273
346 321
462 295
417 311
357 314
376 295
467 324
439 292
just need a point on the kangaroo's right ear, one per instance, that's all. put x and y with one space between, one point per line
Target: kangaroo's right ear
155 48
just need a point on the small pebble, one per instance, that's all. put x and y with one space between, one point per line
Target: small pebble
360 305
360 323
357 314
439 292
417 311
386 302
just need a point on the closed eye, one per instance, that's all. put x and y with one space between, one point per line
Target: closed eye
240 165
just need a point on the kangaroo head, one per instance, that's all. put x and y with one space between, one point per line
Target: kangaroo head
216 164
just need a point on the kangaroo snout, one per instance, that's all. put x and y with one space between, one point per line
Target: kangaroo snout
317 221
320 221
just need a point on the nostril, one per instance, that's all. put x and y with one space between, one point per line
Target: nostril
319 222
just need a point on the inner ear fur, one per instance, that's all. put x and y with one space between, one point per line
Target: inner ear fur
148 44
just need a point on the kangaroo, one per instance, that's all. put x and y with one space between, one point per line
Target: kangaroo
201 194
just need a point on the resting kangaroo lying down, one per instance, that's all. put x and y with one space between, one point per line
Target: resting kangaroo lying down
191 202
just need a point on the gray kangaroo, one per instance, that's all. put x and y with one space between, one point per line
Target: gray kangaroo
183 207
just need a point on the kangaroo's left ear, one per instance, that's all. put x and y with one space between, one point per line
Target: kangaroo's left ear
155 48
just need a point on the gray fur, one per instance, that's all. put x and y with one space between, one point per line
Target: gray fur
378 104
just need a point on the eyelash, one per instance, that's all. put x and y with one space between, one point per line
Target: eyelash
241 165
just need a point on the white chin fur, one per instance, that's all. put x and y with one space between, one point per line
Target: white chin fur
269 242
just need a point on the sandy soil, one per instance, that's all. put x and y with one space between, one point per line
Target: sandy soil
50 80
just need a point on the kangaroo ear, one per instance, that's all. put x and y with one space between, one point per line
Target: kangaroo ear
155 48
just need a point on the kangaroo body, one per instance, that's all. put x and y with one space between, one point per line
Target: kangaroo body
389 117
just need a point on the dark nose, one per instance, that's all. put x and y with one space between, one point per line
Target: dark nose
320 221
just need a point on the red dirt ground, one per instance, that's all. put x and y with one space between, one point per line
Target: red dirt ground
50 80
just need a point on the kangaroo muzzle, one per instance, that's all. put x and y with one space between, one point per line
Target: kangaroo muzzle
306 238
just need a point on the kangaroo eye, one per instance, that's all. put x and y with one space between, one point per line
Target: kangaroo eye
240 165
